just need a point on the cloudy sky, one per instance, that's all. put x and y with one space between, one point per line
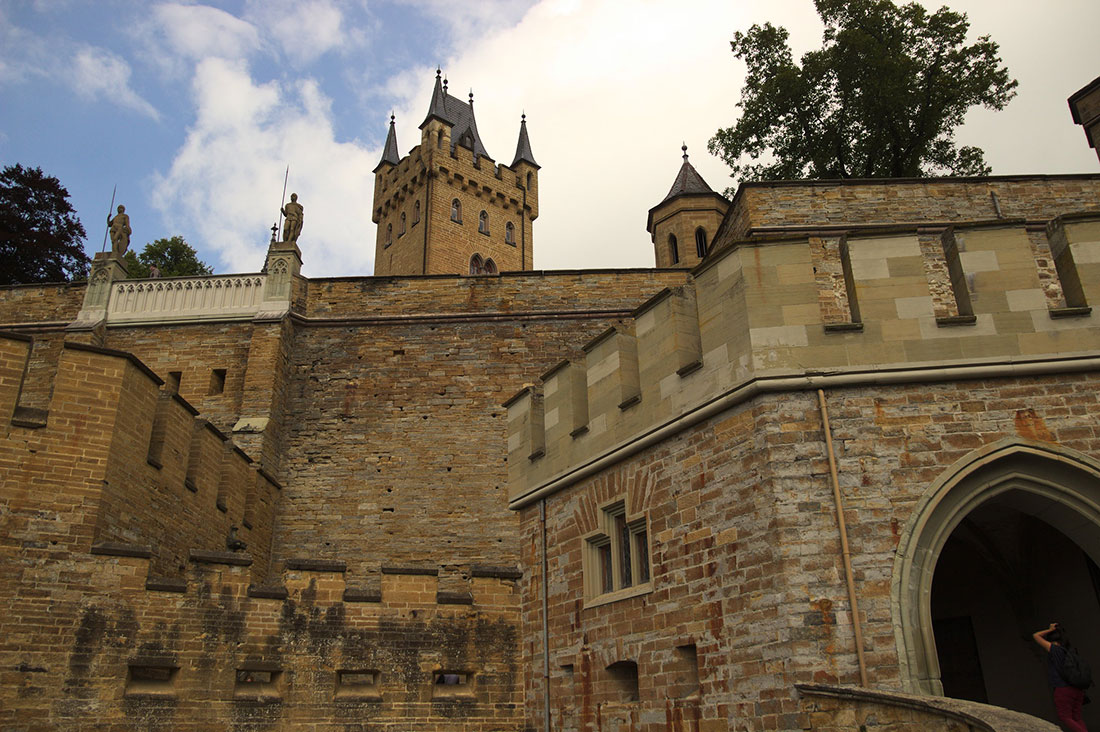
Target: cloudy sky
195 110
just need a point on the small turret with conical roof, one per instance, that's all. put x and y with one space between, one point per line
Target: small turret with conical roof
682 226
447 207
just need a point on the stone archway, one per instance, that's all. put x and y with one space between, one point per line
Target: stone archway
1057 485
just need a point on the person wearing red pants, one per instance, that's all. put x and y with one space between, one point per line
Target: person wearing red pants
1067 697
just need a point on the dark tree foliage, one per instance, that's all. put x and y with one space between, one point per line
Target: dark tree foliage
881 98
173 256
41 239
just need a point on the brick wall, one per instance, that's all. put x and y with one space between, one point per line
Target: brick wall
745 550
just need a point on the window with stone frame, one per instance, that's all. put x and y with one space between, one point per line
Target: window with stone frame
483 222
616 560
389 234
456 211
673 249
416 213
401 229
509 234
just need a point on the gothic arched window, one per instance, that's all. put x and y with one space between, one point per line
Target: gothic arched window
456 211
510 234
416 213
401 229
483 222
673 249
701 242
389 234
476 265
490 266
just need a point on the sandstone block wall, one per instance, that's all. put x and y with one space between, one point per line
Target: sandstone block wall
801 205
755 315
435 176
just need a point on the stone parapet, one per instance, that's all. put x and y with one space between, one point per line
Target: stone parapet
186 299
757 317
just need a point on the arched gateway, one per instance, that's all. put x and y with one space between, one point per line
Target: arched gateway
1005 537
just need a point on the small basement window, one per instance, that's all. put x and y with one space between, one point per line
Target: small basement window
446 684
258 683
623 676
357 684
151 679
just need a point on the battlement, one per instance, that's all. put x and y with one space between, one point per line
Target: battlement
896 304
117 457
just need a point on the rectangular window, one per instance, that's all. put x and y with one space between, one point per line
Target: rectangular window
217 382
616 558
449 684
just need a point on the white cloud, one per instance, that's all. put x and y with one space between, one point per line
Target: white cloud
91 72
99 74
223 186
196 32
304 29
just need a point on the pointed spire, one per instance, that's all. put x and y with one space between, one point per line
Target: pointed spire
389 152
687 180
523 147
438 107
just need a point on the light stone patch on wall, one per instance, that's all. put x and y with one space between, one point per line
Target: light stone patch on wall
870 269
729 266
551 419
981 261
1030 299
779 336
915 307
1043 322
550 386
645 322
606 367
598 425
1086 252
983 327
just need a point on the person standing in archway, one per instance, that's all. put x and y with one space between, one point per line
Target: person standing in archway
1068 698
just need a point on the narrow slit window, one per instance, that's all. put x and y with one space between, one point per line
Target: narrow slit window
401 229
483 222
217 382
701 242
416 213
673 249
509 233
456 211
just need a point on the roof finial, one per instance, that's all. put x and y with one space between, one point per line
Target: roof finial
392 117
438 71
523 116
471 96
684 147
444 84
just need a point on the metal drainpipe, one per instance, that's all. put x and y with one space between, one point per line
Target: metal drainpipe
545 623
846 554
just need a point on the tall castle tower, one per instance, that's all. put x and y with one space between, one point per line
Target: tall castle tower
683 225
447 207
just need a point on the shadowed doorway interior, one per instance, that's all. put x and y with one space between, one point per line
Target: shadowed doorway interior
1003 574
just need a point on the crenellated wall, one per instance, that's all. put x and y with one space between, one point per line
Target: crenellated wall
755 318
116 459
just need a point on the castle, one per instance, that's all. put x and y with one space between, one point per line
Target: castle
826 466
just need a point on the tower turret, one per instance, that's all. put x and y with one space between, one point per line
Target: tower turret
683 225
447 208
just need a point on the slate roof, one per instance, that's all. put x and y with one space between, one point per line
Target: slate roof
458 114
687 181
523 147
389 153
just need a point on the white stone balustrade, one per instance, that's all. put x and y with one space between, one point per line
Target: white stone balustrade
214 297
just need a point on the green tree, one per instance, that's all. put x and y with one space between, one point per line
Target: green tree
41 239
174 257
881 98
